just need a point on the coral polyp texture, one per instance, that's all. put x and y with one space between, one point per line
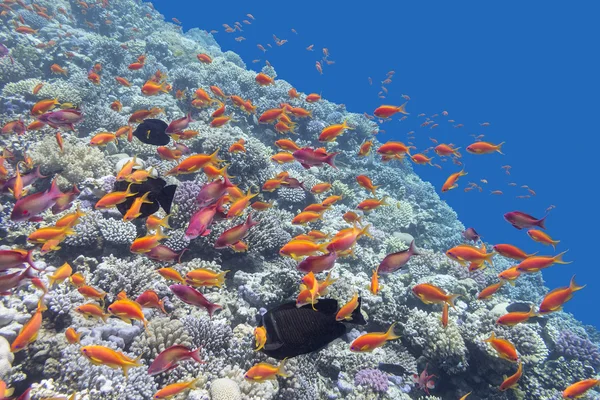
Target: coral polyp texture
88 62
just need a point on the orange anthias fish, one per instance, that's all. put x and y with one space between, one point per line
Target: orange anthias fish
116 106
260 336
128 310
375 287
511 381
293 93
100 355
122 81
146 243
306 217
92 310
555 299
579 389
205 277
175 388
61 274
510 251
93 77
312 98
264 80
542 237
345 312
150 299
365 148
388 111
238 147
371 341
320 188
537 263
430 294
366 183
301 248
421 159
505 349
29 331
57 69
43 106
371 204
452 179
487 292
194 163
330 133
444 317
510 275
72 336
465 253
112 199
287 145
103 138
484 148
346 238
283 158
204 58
446 150
171 274
263 371
152 88
514 318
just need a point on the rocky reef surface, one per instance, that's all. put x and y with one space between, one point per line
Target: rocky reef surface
556 351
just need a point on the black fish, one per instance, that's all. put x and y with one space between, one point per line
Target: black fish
394 369
152 131
160 196
292 331
525 307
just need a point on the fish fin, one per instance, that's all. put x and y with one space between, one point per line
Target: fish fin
558 258
390 334
195 355
492 337
499 147
281 369
574 286
165 197
542 222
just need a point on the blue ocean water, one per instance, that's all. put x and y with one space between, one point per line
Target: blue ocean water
528 69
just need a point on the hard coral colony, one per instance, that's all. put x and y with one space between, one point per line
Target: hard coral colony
133 266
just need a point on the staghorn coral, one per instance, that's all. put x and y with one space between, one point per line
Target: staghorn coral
133 276
163 333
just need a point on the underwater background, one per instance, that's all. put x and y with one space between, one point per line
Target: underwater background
480 64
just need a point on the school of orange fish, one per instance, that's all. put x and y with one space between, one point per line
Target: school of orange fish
316 251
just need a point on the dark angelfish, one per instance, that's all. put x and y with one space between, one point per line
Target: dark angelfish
152 131
292 331
160 195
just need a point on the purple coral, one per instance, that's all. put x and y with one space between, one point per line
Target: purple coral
571 345
372 378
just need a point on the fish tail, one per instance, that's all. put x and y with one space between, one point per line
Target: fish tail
492 337
554 243
374 189
574 286
212 308
165 222
390 334
402 109
346 126
499 147
330 159
558 258
181 254
29 260
128 192
281 369
365 231
542 222
490 259
145 198
214 158
451 300
195 355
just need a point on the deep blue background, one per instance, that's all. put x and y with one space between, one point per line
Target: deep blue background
529 68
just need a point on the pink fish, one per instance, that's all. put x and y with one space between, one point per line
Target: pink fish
201 221
65 200
521 220
182 148
471 234
179 125
15 259
424 380
27 179
191 296
34 204
213 191
171 357
309 157
395 261
163 253
10 281
62 118
234 235
317 264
